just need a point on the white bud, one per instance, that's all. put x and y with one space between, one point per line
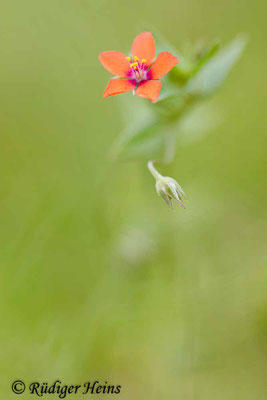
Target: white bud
168 189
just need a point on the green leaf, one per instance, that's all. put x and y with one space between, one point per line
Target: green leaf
142 143
197 123
206 56
215 70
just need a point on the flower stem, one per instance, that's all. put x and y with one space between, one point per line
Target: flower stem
169 148
153 171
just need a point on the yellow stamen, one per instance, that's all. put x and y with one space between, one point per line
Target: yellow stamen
136 58
143 61
128 58
133 64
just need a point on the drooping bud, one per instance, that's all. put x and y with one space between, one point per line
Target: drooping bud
167 188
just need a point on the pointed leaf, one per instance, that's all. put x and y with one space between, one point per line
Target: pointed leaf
215 70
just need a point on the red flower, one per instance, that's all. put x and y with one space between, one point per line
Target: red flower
137 72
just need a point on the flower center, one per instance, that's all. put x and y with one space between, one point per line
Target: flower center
138 69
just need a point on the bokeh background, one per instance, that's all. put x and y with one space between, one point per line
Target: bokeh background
99 279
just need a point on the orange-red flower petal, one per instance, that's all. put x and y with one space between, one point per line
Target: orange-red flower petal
163 64
144 47
117 86
150 90
115 62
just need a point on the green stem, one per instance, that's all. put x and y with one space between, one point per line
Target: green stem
153 171
169 148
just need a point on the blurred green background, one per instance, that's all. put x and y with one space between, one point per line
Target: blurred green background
99 279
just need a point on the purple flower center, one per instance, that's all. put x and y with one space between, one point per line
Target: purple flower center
138 70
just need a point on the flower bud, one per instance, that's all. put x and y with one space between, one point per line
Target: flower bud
168 189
